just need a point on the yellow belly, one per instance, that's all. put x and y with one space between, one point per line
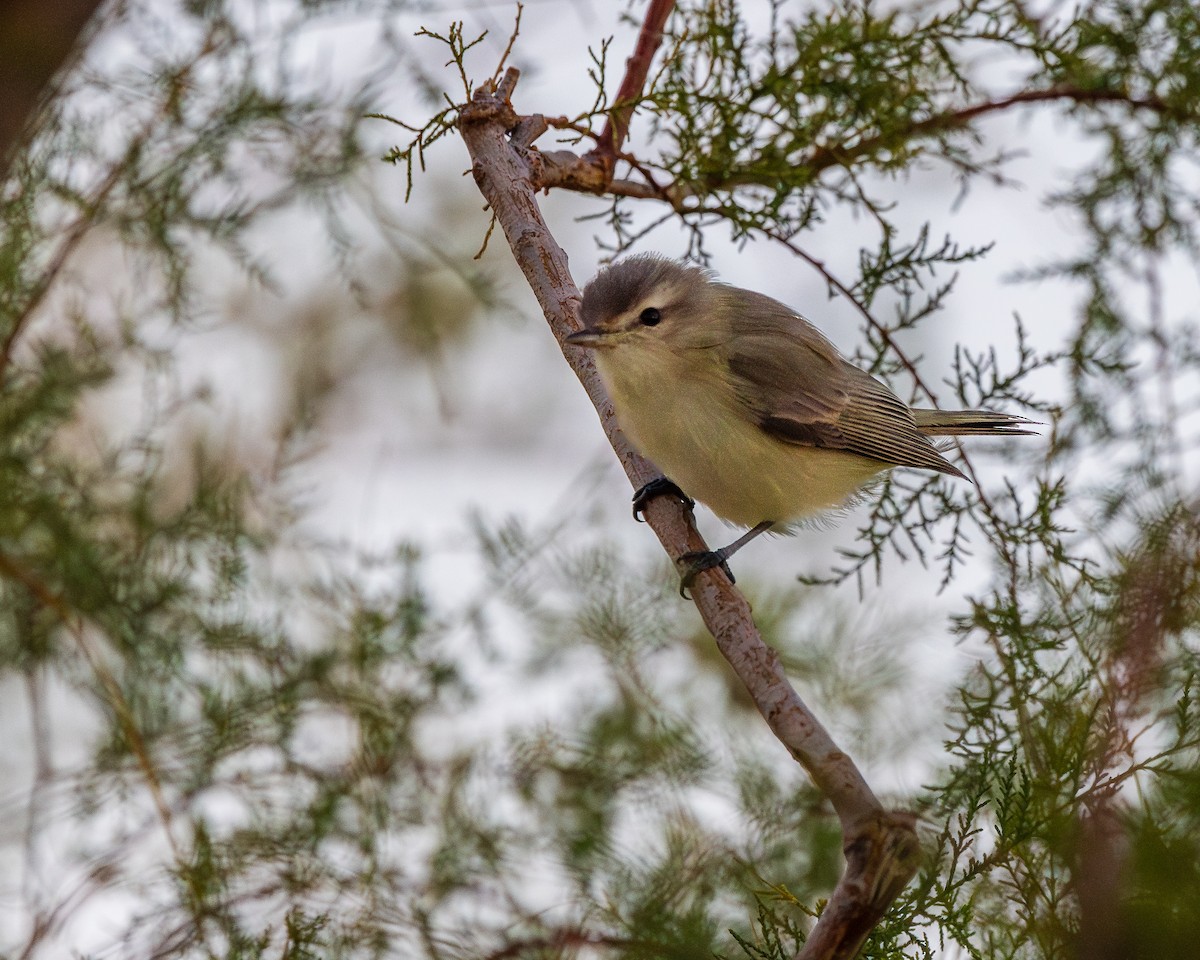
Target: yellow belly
701 438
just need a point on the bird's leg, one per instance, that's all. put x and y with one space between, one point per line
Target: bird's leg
698 561
658 487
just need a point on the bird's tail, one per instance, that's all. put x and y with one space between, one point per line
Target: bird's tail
971 423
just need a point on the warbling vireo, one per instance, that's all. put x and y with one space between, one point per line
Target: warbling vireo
745 405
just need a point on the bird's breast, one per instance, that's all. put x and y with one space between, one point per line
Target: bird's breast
690 422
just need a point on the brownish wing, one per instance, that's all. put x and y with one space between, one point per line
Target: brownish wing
800 390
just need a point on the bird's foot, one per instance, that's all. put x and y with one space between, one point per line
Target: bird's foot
691 564
658 487
698 561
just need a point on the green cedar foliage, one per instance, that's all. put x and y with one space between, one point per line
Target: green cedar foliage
242 743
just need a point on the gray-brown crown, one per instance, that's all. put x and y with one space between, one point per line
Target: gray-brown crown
619 288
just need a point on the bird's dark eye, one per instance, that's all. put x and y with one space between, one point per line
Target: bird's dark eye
650 316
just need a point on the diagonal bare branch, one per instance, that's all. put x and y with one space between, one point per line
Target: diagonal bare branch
881 847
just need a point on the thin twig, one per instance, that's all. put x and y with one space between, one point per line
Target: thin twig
70 241
512 38
565 123
637 67
74 234
47 598
822 158
43 772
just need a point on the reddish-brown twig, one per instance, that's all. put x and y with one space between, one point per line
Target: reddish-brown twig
616 127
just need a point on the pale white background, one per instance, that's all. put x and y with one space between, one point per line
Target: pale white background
406 451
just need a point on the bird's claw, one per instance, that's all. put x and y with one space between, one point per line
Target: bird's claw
690 564
696 562
658 487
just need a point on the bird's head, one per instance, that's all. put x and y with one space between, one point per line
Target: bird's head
653 303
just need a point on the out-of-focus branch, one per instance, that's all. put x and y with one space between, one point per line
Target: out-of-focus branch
1158 592
616 127
68 243
36 40
46 597
881 847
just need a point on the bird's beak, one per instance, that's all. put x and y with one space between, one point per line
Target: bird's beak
588 337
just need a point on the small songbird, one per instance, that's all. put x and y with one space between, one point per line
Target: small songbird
745 405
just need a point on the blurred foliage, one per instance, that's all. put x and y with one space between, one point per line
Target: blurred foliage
242 742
